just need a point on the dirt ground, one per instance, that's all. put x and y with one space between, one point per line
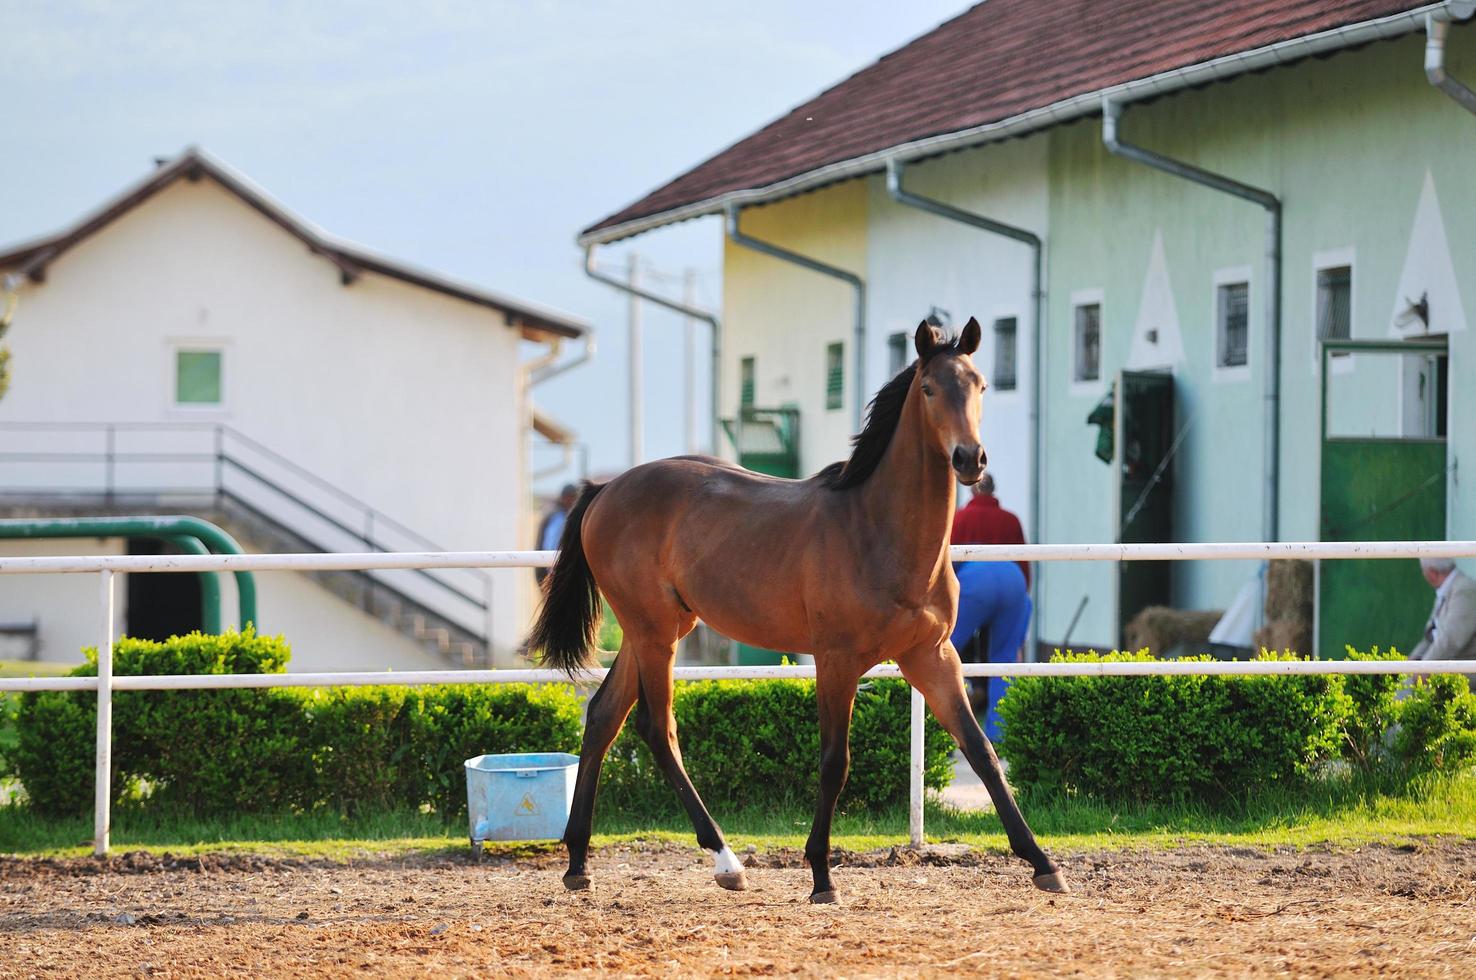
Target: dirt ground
1394 911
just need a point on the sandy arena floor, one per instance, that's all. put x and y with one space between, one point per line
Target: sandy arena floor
1194 912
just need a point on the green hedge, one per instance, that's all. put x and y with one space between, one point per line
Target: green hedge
265 750
1179 738
757 744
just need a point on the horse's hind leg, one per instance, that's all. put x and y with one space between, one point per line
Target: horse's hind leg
835 694
657 725
938 676
607 711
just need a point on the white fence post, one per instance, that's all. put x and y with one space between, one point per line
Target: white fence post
103 778
915 768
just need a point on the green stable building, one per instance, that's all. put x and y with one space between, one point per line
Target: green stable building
1257 267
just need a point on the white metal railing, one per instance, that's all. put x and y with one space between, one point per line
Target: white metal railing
107 566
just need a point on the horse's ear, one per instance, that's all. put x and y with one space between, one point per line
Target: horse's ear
968 341
926 338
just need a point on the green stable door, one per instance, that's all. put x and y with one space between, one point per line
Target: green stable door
1384 469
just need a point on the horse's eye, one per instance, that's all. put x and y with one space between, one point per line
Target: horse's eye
927 389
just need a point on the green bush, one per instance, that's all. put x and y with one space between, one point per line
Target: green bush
274 749
203 750
1368 732
1437 728
753 744
450 723
1168 738
361 748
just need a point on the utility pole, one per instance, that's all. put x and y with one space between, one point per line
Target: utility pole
637 421
689 369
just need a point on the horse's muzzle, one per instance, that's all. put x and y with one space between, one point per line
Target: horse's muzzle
968 463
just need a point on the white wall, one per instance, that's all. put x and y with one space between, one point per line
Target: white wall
67 607
916 260
402 397
328 634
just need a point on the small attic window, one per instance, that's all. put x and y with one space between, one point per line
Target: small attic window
197 377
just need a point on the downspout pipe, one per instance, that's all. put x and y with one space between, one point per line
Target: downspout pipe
1436 28
896 168
857 284
594 272
1271 204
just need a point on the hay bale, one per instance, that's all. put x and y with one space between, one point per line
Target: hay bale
1160 629
1289 591
1285 636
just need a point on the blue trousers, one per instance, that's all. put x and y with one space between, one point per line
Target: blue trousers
992 594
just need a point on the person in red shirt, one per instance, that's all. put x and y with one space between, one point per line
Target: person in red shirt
993 605
984 521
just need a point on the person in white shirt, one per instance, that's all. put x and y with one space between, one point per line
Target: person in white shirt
1450 632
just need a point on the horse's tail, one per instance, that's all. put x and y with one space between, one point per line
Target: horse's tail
569 618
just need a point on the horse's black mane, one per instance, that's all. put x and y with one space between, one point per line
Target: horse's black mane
882 416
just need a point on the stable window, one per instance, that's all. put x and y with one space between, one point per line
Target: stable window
1088 342
896 353
1232 304
197 377
1004 354
745 390
1335 303
834 375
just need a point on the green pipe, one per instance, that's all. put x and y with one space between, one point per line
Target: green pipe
170 527
209 582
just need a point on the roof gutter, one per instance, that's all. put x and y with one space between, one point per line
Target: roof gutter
1437 25
1271 204
1066 110
900 194
543 368
592 270
857 284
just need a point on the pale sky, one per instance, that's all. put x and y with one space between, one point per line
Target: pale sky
474 137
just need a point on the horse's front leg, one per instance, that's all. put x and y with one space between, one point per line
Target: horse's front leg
835 691
937 674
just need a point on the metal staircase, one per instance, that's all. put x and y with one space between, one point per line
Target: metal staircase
260 497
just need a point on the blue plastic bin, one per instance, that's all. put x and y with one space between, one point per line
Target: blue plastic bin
522 796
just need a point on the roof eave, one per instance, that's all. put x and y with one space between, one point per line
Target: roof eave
1066 110
194 163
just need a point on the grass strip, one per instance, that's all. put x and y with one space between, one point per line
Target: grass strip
1334 813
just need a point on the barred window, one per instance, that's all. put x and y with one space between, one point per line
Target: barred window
1089 342
1232 305
1335 303
834 375
1004 354
896 353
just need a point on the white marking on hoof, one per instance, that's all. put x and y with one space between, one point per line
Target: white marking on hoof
725 861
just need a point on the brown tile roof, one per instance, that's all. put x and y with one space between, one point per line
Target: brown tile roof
995 61
32 258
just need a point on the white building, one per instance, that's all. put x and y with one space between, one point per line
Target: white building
192 347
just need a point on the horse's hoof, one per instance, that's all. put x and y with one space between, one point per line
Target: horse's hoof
1052 881
576 883
823 898
733 881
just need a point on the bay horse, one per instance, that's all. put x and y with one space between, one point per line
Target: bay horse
850 565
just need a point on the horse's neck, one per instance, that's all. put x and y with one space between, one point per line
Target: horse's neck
909 499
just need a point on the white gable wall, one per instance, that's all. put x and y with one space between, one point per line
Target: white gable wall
917 260
405 398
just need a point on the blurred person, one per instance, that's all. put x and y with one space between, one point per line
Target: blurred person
994 602
1450 632
552 527
984 521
